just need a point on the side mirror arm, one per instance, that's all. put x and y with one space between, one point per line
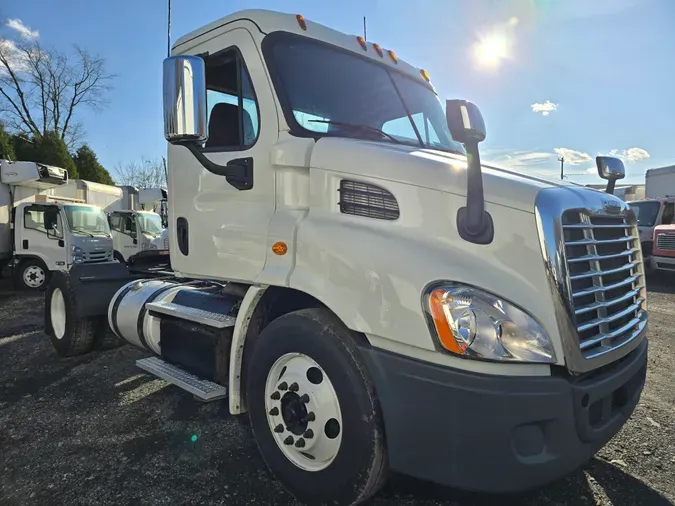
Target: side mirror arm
238 172
474 224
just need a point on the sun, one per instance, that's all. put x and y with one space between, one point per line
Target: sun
490 51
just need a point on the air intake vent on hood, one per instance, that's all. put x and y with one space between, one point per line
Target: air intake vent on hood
367 200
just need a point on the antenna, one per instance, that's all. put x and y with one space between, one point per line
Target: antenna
168 32
364 29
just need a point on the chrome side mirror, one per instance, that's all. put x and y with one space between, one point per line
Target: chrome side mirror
611 169
185 100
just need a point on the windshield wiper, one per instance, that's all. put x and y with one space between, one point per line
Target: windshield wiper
76 231
101 232
357 127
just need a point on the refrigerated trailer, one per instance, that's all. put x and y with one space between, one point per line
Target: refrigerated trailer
349 274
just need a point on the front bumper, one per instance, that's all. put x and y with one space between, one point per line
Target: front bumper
497 433
659 263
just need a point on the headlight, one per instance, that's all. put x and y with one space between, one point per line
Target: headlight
475 324
76 250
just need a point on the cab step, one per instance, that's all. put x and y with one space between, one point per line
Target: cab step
215 320
204 390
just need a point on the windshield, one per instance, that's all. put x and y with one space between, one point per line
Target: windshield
324 85
87 220
646 212
150 223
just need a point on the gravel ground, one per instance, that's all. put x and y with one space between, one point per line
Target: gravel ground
95 430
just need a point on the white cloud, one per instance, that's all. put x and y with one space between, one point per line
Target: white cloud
545 109
573 157
25 32
518 159
630 155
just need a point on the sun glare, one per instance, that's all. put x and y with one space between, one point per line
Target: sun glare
492 50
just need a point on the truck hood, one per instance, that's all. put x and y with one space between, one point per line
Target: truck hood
428 168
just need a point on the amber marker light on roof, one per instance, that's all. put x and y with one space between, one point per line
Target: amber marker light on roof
301 21
393 56
362 41
378 49
425 75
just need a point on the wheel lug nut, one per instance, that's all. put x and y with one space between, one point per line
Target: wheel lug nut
300 443
275 396
279 429
294 387
283 386
304 398
309 434
274 411
311 416
288 440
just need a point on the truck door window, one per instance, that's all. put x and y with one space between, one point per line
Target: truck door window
43 220
668 213
116 222
233 120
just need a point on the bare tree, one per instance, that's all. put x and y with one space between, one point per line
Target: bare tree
146 173
42 90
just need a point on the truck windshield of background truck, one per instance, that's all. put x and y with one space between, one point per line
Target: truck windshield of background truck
150 223
87 220
321 85
646 212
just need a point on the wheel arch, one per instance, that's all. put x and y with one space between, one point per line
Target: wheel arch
261 306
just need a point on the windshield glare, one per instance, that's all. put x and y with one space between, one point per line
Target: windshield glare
150 223
91 220
327 84
646 212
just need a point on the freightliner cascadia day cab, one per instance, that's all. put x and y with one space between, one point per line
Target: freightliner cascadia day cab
371 296
43 230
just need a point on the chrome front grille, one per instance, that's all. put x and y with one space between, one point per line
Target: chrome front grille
665 242
97 255
605 279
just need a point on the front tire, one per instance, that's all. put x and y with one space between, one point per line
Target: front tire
32 275
314 410
70 333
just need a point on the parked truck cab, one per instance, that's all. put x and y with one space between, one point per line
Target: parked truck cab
351 275
136 231
50 236
650 213
663 257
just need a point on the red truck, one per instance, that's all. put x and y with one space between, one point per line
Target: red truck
663 253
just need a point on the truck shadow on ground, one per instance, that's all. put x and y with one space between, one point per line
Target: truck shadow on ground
585 486
661 282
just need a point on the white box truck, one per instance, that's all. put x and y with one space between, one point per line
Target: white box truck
42 232
660 182
371 296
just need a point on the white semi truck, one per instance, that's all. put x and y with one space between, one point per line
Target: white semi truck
371 296
42 231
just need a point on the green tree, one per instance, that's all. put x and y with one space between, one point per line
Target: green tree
52 150
89 168
6 145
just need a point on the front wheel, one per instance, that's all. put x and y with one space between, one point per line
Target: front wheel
32 275
314 410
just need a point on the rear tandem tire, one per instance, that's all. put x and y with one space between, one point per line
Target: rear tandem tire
70 333
326 348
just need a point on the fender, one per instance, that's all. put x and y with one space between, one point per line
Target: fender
246 311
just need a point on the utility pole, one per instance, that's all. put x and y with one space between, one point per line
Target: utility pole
561 159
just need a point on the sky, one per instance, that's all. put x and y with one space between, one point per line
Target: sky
572 78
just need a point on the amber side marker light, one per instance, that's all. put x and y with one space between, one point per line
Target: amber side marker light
279 248
436 300
301 21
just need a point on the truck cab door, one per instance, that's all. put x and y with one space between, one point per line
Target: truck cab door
220 230
123 228
39 232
